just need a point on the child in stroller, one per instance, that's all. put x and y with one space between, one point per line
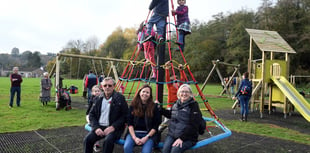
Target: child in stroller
64 99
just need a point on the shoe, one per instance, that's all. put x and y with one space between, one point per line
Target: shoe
154 77
179 43
147 38
10 106
97 148
161 39
241 119
68 108
177 49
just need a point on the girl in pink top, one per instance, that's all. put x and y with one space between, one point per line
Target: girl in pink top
148 47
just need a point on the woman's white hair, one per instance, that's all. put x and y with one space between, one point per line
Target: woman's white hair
185 86
45 74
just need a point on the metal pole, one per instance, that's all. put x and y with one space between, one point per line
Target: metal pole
161 73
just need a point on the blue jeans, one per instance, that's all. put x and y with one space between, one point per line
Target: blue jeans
130 143
181 39
168 148
232 90
160 22
18 91
88 94
108 144
244 104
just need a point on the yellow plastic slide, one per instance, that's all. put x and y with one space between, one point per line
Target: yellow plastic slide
300 103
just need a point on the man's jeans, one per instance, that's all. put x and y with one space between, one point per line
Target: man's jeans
13 91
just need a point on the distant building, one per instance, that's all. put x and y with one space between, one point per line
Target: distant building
36 73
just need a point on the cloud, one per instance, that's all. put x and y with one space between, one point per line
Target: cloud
48 25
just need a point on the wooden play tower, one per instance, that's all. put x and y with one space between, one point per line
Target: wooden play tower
274 63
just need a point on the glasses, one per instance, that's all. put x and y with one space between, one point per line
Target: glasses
184 91
107 85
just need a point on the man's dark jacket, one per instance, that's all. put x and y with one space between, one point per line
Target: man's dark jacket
117 116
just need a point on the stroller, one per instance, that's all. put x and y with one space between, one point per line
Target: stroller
64 99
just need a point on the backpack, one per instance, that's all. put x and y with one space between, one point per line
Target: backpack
246 89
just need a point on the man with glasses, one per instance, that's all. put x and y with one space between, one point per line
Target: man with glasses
107 118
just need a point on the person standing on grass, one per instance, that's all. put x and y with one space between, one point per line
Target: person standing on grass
107 118
16 80
90 81
46 85
244 94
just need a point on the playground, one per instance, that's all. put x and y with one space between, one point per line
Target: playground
267 130
284 129
70 139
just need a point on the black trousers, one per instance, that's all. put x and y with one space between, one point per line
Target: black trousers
108 144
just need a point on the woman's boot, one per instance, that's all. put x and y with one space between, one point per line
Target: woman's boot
241 119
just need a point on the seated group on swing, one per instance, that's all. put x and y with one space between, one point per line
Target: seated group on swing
109 114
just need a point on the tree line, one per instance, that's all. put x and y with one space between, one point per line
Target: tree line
224 38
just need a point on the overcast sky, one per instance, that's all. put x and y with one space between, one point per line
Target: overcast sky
47 25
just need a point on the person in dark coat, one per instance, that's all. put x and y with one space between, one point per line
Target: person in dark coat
244 94
46 84
185 116
107 118
90 80
16 80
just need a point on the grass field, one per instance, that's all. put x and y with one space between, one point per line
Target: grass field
33 116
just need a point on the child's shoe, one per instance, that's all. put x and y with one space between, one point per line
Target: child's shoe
179 43
147 38
161 39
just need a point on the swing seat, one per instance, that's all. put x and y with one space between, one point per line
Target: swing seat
199 144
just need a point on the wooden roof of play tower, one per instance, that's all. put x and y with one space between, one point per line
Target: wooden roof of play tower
270 41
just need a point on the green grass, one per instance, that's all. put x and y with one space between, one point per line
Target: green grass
32 116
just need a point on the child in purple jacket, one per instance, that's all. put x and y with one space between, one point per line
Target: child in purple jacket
183 23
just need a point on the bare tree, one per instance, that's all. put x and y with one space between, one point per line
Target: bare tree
91 44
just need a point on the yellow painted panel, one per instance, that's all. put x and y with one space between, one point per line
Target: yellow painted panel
268 65
277 95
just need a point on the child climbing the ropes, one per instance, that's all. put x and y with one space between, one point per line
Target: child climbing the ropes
172 86
183 23
160 12
148 47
